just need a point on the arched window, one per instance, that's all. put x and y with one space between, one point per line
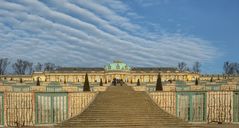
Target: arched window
126 67
117 66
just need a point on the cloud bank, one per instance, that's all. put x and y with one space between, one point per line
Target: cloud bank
90 33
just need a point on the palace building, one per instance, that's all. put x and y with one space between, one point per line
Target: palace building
116 69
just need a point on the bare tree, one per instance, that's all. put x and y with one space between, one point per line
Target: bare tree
49 66
231 68
196 67
38 67
234 68
3 65
182 66
188 69
237 69
226 67
22 66
30 67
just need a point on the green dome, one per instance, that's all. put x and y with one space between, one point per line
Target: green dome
117 66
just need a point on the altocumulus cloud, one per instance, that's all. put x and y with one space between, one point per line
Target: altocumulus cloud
90 33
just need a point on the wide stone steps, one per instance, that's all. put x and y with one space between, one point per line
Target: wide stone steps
120 106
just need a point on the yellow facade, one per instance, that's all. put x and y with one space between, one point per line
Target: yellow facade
107 74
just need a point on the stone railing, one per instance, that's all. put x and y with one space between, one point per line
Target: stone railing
139 88
26 88
100 88
152 88
231 87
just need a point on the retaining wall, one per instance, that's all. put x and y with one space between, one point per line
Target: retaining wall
216 106
38 108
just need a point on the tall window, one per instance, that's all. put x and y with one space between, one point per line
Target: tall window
117 67
126 67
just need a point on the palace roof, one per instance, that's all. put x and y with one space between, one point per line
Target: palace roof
80 69
115 66
153 69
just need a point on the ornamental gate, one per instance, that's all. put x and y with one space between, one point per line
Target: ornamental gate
1 109
236 107
191 106
51 107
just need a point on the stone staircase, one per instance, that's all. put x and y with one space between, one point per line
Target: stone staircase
120 106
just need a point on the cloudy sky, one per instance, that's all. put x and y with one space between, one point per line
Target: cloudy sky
139 32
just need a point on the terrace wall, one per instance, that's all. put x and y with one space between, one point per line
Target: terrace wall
38 108
216 106
165 100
